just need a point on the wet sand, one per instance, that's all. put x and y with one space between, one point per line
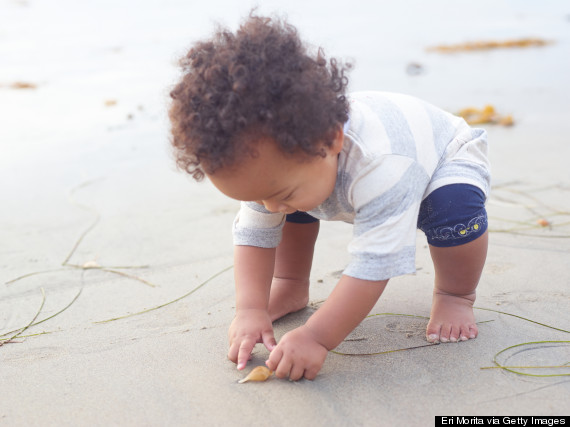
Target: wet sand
96 218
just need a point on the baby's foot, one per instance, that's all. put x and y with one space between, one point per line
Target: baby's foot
287 296
451 318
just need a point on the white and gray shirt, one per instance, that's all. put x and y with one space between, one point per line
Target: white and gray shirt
397 150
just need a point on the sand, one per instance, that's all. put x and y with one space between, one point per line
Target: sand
88 187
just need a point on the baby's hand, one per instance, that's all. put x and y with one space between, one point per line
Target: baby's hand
298 354
249 327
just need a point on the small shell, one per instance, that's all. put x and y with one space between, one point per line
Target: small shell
543 222
91 264
260 373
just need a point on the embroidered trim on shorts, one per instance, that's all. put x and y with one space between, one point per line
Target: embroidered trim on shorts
458 231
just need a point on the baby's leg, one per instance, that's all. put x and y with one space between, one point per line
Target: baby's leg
293 260
457 273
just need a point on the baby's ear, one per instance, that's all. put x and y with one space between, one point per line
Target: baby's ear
338 141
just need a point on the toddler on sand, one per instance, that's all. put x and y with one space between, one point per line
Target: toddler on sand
269 124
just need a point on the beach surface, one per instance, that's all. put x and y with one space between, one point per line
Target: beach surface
121 265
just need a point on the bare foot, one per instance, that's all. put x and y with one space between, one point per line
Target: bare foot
451 318
287 296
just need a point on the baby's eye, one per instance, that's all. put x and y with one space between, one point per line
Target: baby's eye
289 196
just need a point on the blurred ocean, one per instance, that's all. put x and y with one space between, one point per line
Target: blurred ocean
103 69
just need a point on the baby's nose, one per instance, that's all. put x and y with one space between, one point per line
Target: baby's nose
275 206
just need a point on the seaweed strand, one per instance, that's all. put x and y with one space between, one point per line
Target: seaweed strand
514 371
170 302
523 318
17 334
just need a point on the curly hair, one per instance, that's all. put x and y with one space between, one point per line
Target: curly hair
260 81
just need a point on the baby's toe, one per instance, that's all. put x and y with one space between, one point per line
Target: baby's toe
464 333
433 332
445 334
467 332
454 334
432 338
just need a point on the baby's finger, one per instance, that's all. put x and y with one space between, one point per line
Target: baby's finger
279 362
244 353
233 352
283 369
269 340
311 373
297 372
274 358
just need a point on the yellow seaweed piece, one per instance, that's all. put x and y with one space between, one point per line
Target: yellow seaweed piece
259 373
491 44
22 85
476 116
506 121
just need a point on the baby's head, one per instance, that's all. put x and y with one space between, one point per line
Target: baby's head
259 85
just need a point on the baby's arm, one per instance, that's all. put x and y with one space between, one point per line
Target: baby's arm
253 269
302 351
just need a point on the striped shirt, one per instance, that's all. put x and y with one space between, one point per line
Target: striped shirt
397 150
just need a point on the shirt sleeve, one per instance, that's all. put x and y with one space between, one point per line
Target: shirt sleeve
256 226
386 198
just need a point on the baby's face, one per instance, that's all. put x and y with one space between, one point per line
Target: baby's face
282 183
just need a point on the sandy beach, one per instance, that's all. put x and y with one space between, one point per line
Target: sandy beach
116 286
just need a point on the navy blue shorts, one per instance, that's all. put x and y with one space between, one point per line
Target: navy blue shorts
450 216
453 215
300 217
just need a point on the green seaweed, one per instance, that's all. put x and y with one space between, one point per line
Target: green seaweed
523 318
90 265
384 352
47 318
90 227
169 302
398 349
513 368
21 330
65 265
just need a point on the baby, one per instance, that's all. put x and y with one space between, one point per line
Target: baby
269 124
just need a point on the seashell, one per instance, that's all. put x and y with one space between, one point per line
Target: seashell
90 264
543 222
259 373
